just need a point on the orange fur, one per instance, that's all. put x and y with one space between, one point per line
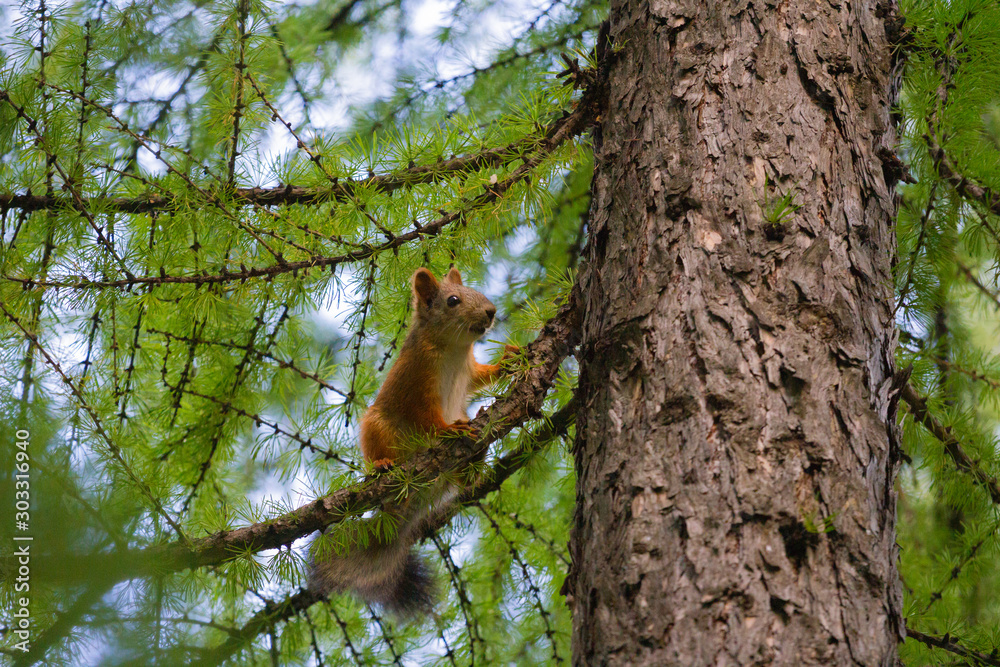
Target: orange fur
437 354
425 393
484 374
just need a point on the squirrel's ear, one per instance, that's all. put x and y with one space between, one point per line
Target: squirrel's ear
425 287
453 277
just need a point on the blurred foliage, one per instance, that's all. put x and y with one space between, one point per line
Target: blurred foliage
949 319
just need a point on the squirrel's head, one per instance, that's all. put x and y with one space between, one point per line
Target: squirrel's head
448 311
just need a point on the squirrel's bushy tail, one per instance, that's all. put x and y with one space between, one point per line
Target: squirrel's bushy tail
389 574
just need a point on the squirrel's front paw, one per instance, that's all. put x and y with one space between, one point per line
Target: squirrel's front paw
382 465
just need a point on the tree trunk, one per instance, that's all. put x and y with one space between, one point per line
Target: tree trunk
736 445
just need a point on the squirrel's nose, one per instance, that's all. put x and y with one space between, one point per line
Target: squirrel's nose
490 312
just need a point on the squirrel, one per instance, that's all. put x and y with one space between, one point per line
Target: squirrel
425 393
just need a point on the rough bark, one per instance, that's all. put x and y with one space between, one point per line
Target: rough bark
736 449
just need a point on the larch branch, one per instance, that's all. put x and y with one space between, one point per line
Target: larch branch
952 446
523 402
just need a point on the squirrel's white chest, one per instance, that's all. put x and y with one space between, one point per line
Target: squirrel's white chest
453 387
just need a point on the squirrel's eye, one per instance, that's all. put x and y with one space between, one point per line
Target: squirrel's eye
453 301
